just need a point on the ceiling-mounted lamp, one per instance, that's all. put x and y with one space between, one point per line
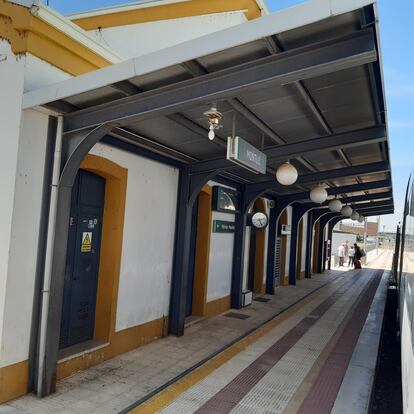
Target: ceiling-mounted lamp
346 211
355 215
213 117
286 174
335 205
318 194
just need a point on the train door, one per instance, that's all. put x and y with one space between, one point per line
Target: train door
82 263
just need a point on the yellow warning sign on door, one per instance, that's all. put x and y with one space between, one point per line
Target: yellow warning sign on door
86 242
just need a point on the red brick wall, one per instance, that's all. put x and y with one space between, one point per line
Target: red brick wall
372 229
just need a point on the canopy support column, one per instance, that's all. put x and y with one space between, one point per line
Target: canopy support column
324 220
281 204
332 224
189 189
74 149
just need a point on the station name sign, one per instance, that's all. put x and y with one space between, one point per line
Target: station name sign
246 155
221 226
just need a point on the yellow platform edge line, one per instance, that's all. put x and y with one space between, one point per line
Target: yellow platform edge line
172 392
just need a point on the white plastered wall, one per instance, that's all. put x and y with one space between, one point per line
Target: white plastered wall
148 238
220 260
220 257
24 237
288 238
39 73
305 226
11 87
266 243
246 256
138 39
247 250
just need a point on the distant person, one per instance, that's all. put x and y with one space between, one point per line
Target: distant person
341 254
346 251
357 256
351 256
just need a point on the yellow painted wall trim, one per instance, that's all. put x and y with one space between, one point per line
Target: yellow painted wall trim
116 178
204 228
259 260
217 306
121 342
299 250
13 381
283 280
28 34
167 12
315 251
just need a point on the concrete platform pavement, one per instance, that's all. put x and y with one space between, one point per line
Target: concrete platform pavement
302 364
114 385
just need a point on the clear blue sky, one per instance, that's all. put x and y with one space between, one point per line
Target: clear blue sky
397 39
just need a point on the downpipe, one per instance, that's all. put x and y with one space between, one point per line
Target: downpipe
45 294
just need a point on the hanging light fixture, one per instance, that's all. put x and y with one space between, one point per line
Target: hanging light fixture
355 215
318 194
361 219
335 205
286 174
213 117
346 211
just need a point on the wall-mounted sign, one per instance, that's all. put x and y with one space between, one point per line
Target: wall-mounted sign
226 199
246 155
285 229
86 246
221 226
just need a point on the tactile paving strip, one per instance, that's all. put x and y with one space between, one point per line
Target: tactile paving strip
325 389
202 392
232 394
274 391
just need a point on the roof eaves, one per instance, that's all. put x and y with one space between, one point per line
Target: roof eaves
284 20
63 24
122 8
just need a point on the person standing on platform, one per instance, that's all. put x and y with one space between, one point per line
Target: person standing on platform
346 251
341 254
351 256
357 256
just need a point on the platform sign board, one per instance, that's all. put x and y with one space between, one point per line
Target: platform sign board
221 226
246 155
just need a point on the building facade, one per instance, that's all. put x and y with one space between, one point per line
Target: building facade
142 239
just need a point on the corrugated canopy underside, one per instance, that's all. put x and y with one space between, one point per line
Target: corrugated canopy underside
268 114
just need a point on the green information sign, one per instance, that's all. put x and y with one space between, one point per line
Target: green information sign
220 226
246 155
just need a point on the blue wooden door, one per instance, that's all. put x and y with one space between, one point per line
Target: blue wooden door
82 264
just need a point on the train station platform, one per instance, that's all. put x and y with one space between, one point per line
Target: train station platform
310 348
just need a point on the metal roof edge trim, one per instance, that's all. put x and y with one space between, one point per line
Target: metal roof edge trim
101 11
63 24
284 20
137 6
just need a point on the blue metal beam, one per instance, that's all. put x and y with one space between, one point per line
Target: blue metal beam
321 176
302 63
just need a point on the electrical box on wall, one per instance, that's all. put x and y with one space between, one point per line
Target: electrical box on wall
247 297
285 229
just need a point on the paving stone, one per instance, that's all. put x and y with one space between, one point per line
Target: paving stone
124 379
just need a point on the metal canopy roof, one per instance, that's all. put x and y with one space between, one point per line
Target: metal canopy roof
303 84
